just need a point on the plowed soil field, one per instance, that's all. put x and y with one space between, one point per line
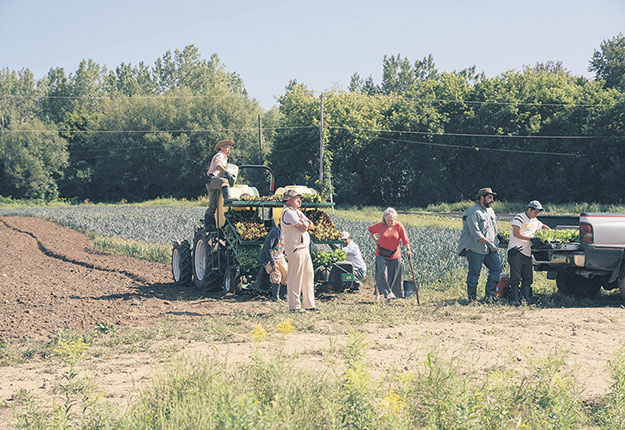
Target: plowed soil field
51 279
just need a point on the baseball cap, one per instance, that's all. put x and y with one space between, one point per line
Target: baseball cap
535 204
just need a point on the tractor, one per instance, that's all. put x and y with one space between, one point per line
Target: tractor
227 258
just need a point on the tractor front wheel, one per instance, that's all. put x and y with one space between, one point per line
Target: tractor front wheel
201 260
232 281
181 262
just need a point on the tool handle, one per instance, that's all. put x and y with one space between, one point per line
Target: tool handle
414 280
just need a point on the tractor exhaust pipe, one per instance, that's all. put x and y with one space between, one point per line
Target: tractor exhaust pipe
585 273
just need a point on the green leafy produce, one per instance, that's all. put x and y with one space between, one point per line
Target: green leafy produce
248 257
328 258
547 236
324 229
563 236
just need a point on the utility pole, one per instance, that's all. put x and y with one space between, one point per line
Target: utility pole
321 146
260 141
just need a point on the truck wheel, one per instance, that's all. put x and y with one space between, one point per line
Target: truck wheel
621 286
586 288
564 282
181 262
570 284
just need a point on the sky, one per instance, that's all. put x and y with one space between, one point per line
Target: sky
319 43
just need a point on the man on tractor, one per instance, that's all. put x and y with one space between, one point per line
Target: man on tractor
217 180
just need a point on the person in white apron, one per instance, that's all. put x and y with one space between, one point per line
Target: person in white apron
300 278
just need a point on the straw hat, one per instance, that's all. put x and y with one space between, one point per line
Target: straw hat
484 192
290 194
223 143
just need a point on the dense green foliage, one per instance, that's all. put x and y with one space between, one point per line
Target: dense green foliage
443 138
421 136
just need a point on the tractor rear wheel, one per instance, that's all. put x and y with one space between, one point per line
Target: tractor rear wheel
181 262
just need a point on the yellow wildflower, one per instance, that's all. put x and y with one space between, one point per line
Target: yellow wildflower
286 326
73 349
259 333
393 403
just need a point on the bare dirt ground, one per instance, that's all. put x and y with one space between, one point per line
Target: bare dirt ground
51 279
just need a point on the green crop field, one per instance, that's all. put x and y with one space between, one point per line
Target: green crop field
433 247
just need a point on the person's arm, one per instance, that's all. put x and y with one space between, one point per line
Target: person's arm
473 226
295 218
516 232
375 236
302 226
405 241
222 163
304 223
275 238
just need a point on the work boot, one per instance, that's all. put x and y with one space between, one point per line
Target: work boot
515 296
275 292
283 292
526 290
471 294
225 191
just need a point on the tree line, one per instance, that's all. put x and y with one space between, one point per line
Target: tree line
419 136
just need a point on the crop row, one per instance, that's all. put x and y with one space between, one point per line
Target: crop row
151 224
433 248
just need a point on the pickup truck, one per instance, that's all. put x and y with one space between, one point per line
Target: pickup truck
581 269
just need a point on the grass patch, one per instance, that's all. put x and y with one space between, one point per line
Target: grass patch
271 391
132 248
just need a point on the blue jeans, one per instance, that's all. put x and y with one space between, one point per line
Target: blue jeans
492 262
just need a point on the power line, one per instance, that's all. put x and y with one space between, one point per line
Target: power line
478 148
313 133
206 130
431 133
115 96
487 102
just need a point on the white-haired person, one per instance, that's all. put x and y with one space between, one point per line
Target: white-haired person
388 235
352 250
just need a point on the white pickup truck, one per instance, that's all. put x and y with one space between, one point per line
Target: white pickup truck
581 269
